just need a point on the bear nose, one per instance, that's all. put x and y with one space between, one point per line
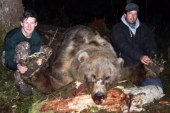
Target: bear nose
97 98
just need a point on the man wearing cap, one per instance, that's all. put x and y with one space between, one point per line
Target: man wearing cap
134 41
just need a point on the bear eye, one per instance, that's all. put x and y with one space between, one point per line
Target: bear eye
93 77
107 78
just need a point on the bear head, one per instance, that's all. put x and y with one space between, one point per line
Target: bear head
99 69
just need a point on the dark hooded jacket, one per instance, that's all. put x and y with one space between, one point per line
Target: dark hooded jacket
131 47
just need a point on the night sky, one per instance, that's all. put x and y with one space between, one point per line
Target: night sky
73 12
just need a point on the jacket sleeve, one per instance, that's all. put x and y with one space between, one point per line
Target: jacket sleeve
149 43
119 40
9 48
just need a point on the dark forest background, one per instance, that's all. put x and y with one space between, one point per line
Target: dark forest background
73 12
66 13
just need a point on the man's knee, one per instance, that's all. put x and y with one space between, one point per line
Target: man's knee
152 81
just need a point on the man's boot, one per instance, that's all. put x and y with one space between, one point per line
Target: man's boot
21 86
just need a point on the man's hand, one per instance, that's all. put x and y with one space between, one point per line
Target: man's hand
161 69
22 69
150 64
145 60
39 62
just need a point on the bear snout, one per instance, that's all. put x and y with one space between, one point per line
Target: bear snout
98 97
98 91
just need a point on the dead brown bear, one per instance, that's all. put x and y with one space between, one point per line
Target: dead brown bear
83 55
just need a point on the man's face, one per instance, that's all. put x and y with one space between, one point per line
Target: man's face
131 16
28 26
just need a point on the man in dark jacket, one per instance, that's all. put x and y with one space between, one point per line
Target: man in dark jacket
25 33
134 41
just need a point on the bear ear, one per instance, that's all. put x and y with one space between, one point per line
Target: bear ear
120 62
83 56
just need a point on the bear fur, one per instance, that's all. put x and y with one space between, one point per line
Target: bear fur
135 74
140 72
82 55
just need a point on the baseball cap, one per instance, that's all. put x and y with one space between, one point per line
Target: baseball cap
131 7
